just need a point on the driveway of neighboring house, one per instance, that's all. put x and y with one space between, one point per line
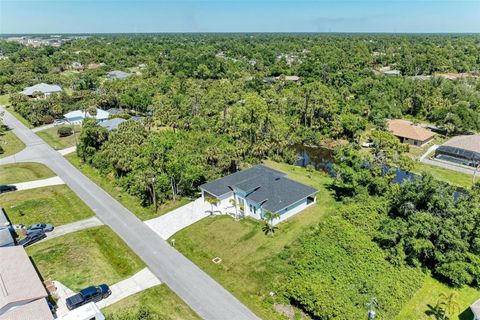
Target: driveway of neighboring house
45 127
140 281
73 227
448 165
54 181
172 222
66 151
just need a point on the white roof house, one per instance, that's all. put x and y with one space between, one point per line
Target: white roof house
44 88
77 116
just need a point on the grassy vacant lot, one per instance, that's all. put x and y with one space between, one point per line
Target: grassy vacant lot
89 257
244 248
57 205
108 184
4 100
51 137
22 172
427 297
453 177
10 144
160 301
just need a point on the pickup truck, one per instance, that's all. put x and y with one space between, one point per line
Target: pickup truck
90 294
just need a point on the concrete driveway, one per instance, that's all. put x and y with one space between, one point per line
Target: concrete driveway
72 227
172 222
140 281
54 181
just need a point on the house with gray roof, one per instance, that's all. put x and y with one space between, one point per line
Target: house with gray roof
111 124
119 75
6 230
44 88
252 192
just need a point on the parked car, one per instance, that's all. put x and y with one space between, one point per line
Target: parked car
59 122
6 188
45 227
90 294
32 238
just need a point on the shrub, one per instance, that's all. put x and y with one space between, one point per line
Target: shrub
64 131
47 119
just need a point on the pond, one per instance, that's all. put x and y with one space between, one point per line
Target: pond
321 158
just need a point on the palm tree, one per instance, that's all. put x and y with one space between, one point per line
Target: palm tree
449 304
234 203
213 202
269 216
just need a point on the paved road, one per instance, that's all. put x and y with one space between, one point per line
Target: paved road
195 287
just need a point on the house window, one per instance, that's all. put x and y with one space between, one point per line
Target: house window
251 208
254 210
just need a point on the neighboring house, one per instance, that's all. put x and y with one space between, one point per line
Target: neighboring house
22 294
45 89
410 133
111 124
455 75
288 78
92 66
394 73
77 66
475 308
6 231
118 75
258 189
77 116
422 77
116 111
463 150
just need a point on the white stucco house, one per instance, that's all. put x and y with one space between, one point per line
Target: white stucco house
251 192
77 116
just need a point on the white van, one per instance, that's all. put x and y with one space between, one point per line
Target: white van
89 311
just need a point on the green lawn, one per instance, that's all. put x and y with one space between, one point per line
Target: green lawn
88 257
160 301
4 100
428 296
243 247
57 205
10 144
453 177
51 137
107 183
22 172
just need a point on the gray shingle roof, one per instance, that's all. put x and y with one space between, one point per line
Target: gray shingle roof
263 185
41 87
111 124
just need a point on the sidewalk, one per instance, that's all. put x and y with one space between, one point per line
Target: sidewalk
66 151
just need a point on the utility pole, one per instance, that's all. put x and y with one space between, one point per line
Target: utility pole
371 312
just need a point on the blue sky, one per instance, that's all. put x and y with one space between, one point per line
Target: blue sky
110 16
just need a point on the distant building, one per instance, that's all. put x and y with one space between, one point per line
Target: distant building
92 66
112 124
118 75
43 88
394 73
422 77
463 150
410 133
22 294
77 66
77 116
116 111
456 75
288 78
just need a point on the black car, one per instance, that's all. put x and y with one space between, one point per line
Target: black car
87 295
6 188
32 238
